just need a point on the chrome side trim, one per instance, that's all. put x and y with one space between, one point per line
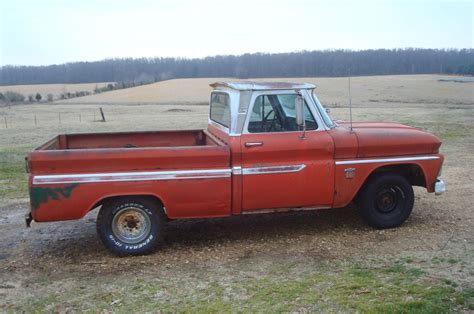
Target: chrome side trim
237 170
370 161
132 176
273 169
161 175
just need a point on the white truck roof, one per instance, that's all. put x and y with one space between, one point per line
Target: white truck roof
252 85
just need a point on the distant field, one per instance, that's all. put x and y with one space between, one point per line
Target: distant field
332 91
55 89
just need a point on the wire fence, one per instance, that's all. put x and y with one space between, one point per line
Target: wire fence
48 119
84 117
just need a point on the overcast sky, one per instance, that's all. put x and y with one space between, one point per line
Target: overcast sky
40 32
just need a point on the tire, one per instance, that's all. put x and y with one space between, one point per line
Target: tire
386 200
131 225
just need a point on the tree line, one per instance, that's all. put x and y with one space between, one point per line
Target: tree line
132 72
15 97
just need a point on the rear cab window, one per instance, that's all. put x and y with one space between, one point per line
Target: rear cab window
220 109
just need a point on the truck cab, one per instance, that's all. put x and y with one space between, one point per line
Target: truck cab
276 162
268 147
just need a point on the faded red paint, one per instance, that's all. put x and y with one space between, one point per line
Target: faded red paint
322 183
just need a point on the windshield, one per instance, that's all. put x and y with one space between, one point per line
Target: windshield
324 114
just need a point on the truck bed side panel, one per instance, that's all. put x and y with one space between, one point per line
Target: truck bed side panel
127 159
182 198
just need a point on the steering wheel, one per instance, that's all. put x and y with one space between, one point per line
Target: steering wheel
265 121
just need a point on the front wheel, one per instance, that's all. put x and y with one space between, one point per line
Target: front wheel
130 225
386 200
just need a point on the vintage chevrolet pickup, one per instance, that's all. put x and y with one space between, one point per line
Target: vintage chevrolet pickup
268 147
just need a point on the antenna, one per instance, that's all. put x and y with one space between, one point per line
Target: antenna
350 100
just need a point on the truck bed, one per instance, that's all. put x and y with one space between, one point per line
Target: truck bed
130 140
129 151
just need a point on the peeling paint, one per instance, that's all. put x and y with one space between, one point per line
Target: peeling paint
39 195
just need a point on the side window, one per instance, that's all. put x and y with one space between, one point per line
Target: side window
277 113
220 109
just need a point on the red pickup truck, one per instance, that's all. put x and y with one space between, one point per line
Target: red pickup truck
268 147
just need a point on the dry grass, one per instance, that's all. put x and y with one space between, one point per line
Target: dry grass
305 261
405 99
332 91
55 89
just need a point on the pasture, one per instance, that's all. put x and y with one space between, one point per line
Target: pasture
304 261
55 89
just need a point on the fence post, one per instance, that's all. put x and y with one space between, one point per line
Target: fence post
6 124
80 118
59 116
102 114
36 123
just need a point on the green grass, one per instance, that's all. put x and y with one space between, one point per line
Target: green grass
13 177
394 288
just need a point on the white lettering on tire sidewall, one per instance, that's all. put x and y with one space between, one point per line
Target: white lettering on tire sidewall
132 247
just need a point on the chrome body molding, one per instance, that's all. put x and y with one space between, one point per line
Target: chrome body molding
371 161
237 170
160 175
132 176
273 169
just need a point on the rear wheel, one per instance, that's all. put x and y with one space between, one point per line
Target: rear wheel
130 225
386 200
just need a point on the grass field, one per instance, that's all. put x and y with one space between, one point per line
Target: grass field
333 91
55 89
308 261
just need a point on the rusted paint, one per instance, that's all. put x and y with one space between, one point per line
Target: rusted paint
375 139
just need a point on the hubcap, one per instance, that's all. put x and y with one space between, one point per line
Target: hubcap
388 198
131 225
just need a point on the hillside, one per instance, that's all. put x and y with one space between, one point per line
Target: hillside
365 89
55 89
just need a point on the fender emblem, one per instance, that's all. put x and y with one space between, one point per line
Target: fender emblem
350 173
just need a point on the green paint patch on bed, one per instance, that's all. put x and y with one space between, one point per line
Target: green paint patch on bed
40 195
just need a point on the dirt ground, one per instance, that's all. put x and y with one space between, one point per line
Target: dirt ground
219 264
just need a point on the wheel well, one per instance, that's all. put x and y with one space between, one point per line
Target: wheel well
110 198
412 172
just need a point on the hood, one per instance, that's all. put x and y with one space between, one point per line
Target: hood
377 139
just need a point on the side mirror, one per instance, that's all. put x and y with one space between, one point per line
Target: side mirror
328 111
299 106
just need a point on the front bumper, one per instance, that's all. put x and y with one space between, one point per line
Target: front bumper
439 187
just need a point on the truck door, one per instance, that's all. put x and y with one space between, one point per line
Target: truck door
282 166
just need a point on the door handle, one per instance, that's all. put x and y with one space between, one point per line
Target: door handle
253 144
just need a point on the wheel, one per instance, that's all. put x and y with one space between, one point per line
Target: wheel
130 225
386 200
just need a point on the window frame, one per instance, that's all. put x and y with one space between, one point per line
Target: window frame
310 105
226 127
